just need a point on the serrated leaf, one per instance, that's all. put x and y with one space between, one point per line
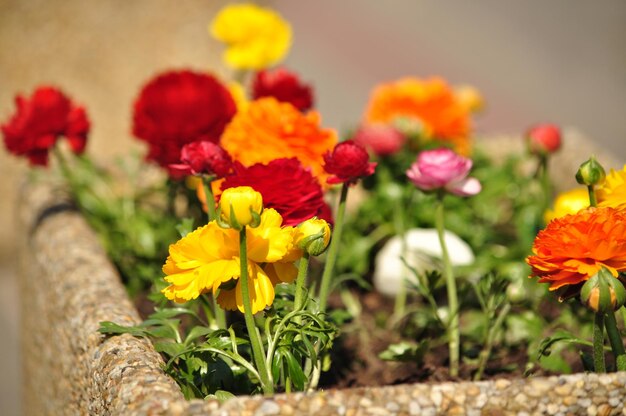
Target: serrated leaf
171 349
107 327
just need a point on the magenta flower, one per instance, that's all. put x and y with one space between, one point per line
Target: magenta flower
443 169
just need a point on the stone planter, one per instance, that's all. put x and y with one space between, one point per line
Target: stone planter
68 286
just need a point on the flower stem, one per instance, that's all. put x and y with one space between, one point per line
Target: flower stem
255 339
210 198
333 249
298 302
598 343
491 336
454 341
615 340
593 202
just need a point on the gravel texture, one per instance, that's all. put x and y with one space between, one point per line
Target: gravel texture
68 286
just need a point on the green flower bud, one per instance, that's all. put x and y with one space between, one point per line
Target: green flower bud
603 293
590 173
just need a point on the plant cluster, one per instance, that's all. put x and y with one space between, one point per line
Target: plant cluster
254 259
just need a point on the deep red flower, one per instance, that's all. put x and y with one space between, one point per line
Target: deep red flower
283 85
347 163
180 107
286 186
382 139
543 139
40 121
202 158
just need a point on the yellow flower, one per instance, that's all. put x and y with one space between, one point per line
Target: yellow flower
470 98
255 37
313 235
244 203
612 193
569 202
207 260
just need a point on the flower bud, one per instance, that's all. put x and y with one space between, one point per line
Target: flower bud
313 236
239 207
543 139
347 163
603 293
590 172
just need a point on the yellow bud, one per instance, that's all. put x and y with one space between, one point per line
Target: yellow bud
313 236
241 206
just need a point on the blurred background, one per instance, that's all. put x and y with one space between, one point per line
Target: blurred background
562 61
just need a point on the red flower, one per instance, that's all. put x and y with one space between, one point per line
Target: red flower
543 139
283 85
380 138
286 186
40 121
347 163
202 158
177 108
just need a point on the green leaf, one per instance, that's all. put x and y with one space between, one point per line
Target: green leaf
107 327
406 352
220 395
295 370
197 332
169 348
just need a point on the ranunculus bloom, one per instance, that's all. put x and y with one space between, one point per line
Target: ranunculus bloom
612 192
382 139
573 248
431 103
177 108
442 168
286 186
543 139
242 202
569 202
203 158
313 236
255 37
283 85
209 257
268 129
40 121
347 163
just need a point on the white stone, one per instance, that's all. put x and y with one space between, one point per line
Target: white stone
423 252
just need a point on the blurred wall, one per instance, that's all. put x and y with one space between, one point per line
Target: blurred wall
562 61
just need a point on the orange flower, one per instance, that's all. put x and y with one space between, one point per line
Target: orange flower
432 103
575 247
268 129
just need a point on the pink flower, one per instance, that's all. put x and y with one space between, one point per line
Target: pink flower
442 168
543 139
202 158
380 138
347 163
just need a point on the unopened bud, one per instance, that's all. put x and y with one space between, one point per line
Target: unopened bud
603 293
313 236
590 172
543 139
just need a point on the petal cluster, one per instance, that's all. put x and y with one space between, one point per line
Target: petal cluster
348 162
207 260
255 37
443 169
283 85
612 192
286 186
573 248
268 129
40 120
202 158
432 103
180 107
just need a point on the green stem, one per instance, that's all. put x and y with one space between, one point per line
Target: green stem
491 336
255 341
593 202
298 302
210 198
598 343
333 250
616 342
400 301
454 341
